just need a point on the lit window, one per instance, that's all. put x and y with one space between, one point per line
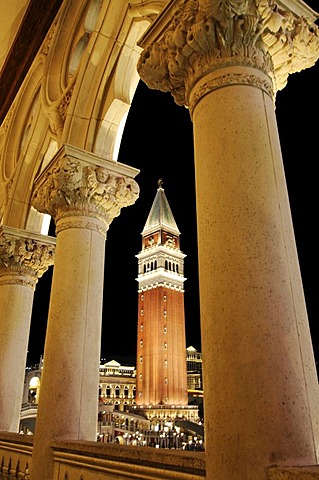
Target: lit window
142 297
141 359
166 381
165 363
141 327
141 376
141 343
164 313
164 298
165 329
165 346
142 312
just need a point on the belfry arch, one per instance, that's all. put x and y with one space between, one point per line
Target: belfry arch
59 141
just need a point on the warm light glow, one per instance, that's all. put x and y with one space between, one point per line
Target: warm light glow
45 224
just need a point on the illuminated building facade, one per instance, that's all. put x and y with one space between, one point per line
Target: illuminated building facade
116 418
194 369
117 385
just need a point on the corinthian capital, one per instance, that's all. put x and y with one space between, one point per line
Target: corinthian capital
24 254
80 183
194 37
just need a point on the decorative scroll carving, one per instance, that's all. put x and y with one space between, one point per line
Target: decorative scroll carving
204 35
24 257
73 188
48 40
65 101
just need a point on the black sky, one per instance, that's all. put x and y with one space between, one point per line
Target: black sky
158 141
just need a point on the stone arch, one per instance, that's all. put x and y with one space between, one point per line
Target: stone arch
63 52
26 136
111 80
34 389
86 69
110 128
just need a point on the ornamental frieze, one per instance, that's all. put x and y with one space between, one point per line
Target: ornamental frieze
205 35
73 187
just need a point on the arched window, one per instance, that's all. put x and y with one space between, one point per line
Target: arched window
34 388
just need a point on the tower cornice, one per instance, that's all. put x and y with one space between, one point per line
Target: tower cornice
155 250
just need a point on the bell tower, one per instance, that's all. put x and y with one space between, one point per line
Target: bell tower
161 342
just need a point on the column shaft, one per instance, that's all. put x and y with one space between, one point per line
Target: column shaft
15 317
83 193
261 390
24 257
225 60
69 390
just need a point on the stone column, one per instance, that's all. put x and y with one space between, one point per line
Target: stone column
225 60
83 193
24 257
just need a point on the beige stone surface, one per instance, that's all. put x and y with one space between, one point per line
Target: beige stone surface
24 257
16 301
260 382
259 374
83 193
262 408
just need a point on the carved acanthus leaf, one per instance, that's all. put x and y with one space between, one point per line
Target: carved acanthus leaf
73 187
25 256
204 35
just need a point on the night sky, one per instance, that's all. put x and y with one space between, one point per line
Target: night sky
158 141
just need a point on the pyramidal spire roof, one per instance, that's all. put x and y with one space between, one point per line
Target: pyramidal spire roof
160 215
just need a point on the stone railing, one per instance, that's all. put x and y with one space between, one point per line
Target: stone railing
74 460
15 456
87 460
